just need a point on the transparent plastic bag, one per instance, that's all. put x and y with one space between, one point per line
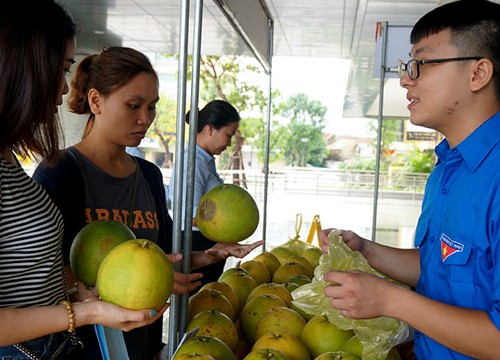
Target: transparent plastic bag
377 335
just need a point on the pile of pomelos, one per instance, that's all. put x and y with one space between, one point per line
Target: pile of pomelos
249 313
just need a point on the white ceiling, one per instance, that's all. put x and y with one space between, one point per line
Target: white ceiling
302 28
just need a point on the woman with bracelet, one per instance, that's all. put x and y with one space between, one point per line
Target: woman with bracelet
36 317
117 90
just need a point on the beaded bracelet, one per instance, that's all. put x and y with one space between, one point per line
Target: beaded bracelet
71 315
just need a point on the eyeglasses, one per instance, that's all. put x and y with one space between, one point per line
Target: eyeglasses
412 67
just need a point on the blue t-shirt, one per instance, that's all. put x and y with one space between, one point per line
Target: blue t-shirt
458 232
205 179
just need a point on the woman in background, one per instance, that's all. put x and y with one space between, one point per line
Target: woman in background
218 122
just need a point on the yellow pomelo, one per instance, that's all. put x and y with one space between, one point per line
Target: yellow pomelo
205 345
92 243
226 290
266 354
270 260
217 324
289 269
227 213
274 289
302 260
136 275
256 307
231 271
257 270
210 299
286 343
355 347
320 336
242 284
280 320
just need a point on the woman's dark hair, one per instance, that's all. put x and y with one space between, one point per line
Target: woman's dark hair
474 26
217 113
106 72
32 50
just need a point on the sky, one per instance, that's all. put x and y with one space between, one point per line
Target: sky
322 79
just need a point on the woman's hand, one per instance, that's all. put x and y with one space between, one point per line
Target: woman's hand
222 251
183 283
94 311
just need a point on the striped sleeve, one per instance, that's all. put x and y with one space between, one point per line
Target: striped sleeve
31 228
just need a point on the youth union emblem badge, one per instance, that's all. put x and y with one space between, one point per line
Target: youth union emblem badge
449 247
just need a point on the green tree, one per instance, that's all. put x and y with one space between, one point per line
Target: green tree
304 141
391 132
418 161
164 126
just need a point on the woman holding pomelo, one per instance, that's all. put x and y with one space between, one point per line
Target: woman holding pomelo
97 179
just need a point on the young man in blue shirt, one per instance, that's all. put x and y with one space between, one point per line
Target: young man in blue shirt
453 86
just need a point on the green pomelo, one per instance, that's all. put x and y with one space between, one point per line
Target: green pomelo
298 279
210 299
231 271
254 309
320 336
92 243
336 355
205 345
242 284
257 270
280 320
266 354
353 346
136 275
274 289
312 255
217 324
226 290
289 269
270 260
227 213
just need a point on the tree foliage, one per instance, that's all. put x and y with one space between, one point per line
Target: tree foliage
227 78
164 126
304 137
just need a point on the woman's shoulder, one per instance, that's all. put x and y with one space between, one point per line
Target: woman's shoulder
66 162
148 168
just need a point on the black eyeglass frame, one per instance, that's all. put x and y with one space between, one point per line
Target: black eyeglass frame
403 67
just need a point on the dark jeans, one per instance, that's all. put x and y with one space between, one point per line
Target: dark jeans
42 348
